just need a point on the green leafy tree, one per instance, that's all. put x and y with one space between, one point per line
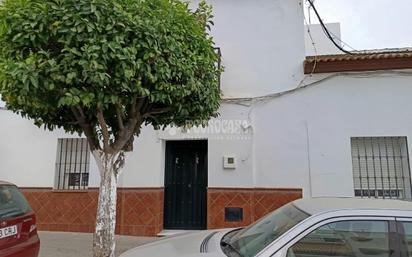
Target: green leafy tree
105 68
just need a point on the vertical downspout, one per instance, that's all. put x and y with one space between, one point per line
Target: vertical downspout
252 128
253 154
308 154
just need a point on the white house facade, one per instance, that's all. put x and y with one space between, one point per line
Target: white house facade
290 126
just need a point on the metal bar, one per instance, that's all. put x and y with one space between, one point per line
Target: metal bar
387 166
87 164
381 167
65 163
60 144
366 162
354 167
408 163
357 140
81 163
75 162
374 169
394 167
70 162
402 169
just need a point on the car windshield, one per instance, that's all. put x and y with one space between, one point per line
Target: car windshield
251 240
12 202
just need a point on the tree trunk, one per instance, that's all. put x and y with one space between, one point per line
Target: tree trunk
109 166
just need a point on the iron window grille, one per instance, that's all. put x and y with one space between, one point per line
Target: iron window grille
72 164
219 63
381 167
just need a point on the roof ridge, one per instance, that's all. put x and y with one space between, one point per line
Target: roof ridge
386 51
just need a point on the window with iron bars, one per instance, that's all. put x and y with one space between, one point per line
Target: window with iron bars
72 164
381 167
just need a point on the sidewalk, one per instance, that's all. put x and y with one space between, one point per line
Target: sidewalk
62 244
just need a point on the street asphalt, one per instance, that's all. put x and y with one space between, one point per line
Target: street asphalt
63 244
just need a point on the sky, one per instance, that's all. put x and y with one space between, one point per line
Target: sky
369 24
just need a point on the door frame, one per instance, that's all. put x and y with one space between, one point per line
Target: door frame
170 146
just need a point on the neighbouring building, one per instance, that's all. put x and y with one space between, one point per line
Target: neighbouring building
291 125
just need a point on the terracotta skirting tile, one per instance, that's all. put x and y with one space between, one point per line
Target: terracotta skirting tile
255 203
139 210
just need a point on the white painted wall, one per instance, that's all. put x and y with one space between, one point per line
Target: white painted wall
261 43
316 41
28 153
333 111
145 165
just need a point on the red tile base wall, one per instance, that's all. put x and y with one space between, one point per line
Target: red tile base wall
140 211
254 202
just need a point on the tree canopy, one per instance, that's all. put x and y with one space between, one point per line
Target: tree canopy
106 67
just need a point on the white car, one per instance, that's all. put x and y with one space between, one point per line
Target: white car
317 227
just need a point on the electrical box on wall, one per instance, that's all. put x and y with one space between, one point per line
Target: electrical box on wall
229 162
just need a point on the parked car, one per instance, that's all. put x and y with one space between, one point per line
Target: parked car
18 231
317 227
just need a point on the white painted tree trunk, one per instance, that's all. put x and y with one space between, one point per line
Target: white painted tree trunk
109 166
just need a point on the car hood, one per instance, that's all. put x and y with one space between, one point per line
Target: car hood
191 244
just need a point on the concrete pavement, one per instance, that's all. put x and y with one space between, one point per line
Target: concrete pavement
66 244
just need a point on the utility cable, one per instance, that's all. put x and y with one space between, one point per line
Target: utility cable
328 34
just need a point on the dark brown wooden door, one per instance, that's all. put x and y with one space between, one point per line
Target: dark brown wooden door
185 184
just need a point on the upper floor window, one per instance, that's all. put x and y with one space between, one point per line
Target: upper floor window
381 167
72 163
